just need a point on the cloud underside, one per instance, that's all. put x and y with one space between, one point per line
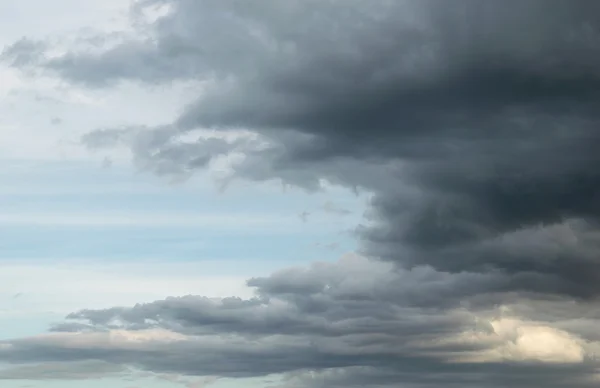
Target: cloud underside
473 122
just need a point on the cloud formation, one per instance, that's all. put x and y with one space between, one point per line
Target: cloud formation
354 322
473 123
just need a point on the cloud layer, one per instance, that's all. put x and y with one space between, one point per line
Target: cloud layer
353 323
474 125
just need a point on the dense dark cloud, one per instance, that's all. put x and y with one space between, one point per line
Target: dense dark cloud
473 122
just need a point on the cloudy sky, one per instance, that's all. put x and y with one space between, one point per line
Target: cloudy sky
299 193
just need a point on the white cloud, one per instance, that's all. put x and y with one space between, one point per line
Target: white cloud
513 339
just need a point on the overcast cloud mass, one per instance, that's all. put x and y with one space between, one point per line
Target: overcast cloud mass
473 123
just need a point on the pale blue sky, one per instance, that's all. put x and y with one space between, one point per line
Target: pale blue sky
72 211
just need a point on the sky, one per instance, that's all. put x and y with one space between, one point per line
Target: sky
299 193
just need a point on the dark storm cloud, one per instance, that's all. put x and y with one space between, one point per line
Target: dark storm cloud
474 123
457 376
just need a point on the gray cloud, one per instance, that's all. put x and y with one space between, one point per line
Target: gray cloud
304 216
332 246
473 123
332 208
23 53
355 322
